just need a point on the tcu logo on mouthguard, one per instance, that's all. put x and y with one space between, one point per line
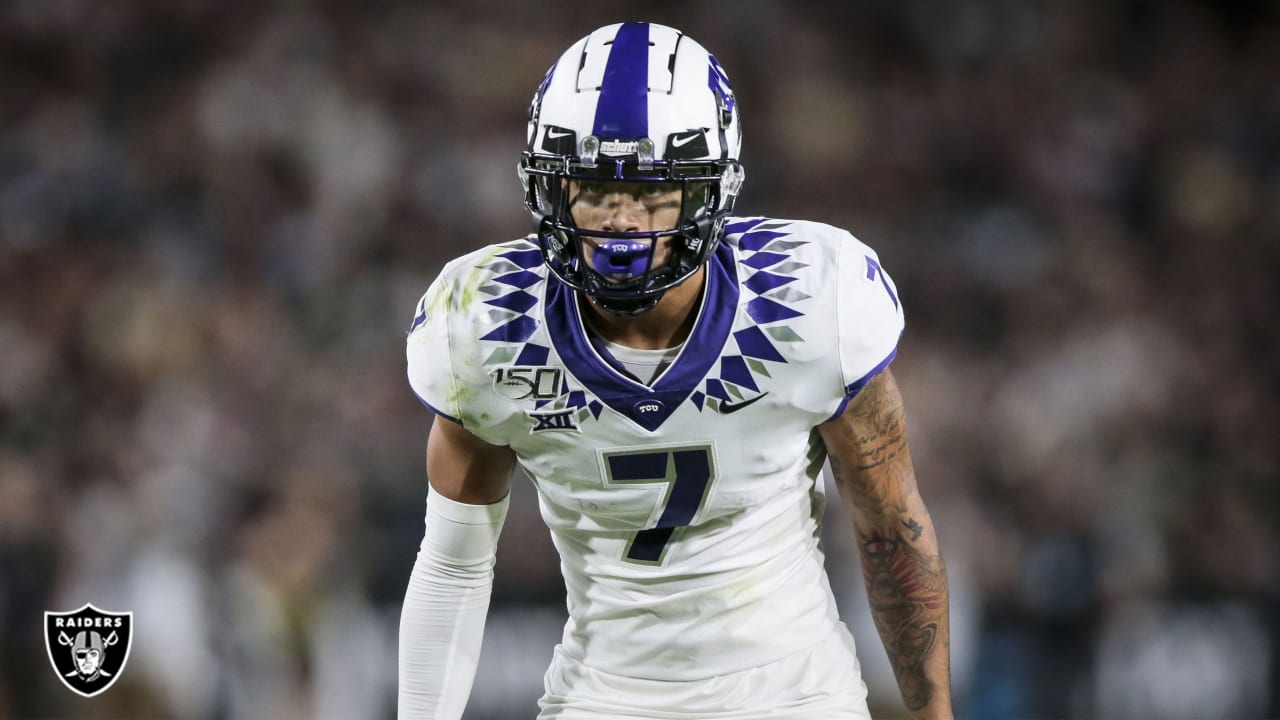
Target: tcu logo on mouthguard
88 647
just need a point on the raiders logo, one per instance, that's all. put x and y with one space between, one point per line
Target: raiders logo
88 647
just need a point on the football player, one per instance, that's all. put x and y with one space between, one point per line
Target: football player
672 379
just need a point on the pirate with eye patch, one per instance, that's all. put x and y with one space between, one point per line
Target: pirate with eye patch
88 652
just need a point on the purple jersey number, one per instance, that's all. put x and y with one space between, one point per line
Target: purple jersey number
688 473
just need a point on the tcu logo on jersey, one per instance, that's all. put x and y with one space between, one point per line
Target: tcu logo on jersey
648 407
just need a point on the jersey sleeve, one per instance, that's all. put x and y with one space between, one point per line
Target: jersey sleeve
429 350
868 315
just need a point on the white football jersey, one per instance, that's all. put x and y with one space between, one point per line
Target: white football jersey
686 513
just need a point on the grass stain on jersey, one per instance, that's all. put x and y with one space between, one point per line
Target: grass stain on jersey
440 299
471 286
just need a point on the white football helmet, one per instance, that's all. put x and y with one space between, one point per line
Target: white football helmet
633 102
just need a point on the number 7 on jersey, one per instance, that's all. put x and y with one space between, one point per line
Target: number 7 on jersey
687 473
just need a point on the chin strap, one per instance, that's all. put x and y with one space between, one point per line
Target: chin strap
557 256
633 306
629 307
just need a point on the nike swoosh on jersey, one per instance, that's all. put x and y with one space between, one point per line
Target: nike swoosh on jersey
727 407
552 134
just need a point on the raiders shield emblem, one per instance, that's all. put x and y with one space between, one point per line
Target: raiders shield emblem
88 647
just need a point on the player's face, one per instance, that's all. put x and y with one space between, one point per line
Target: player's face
624 207
87 661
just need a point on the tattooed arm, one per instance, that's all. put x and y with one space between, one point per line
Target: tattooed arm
905 576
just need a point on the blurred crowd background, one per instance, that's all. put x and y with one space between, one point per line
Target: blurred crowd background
216 218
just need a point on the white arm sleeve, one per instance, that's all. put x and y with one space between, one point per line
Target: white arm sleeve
442 621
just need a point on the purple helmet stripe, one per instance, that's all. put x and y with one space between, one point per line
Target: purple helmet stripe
623 110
